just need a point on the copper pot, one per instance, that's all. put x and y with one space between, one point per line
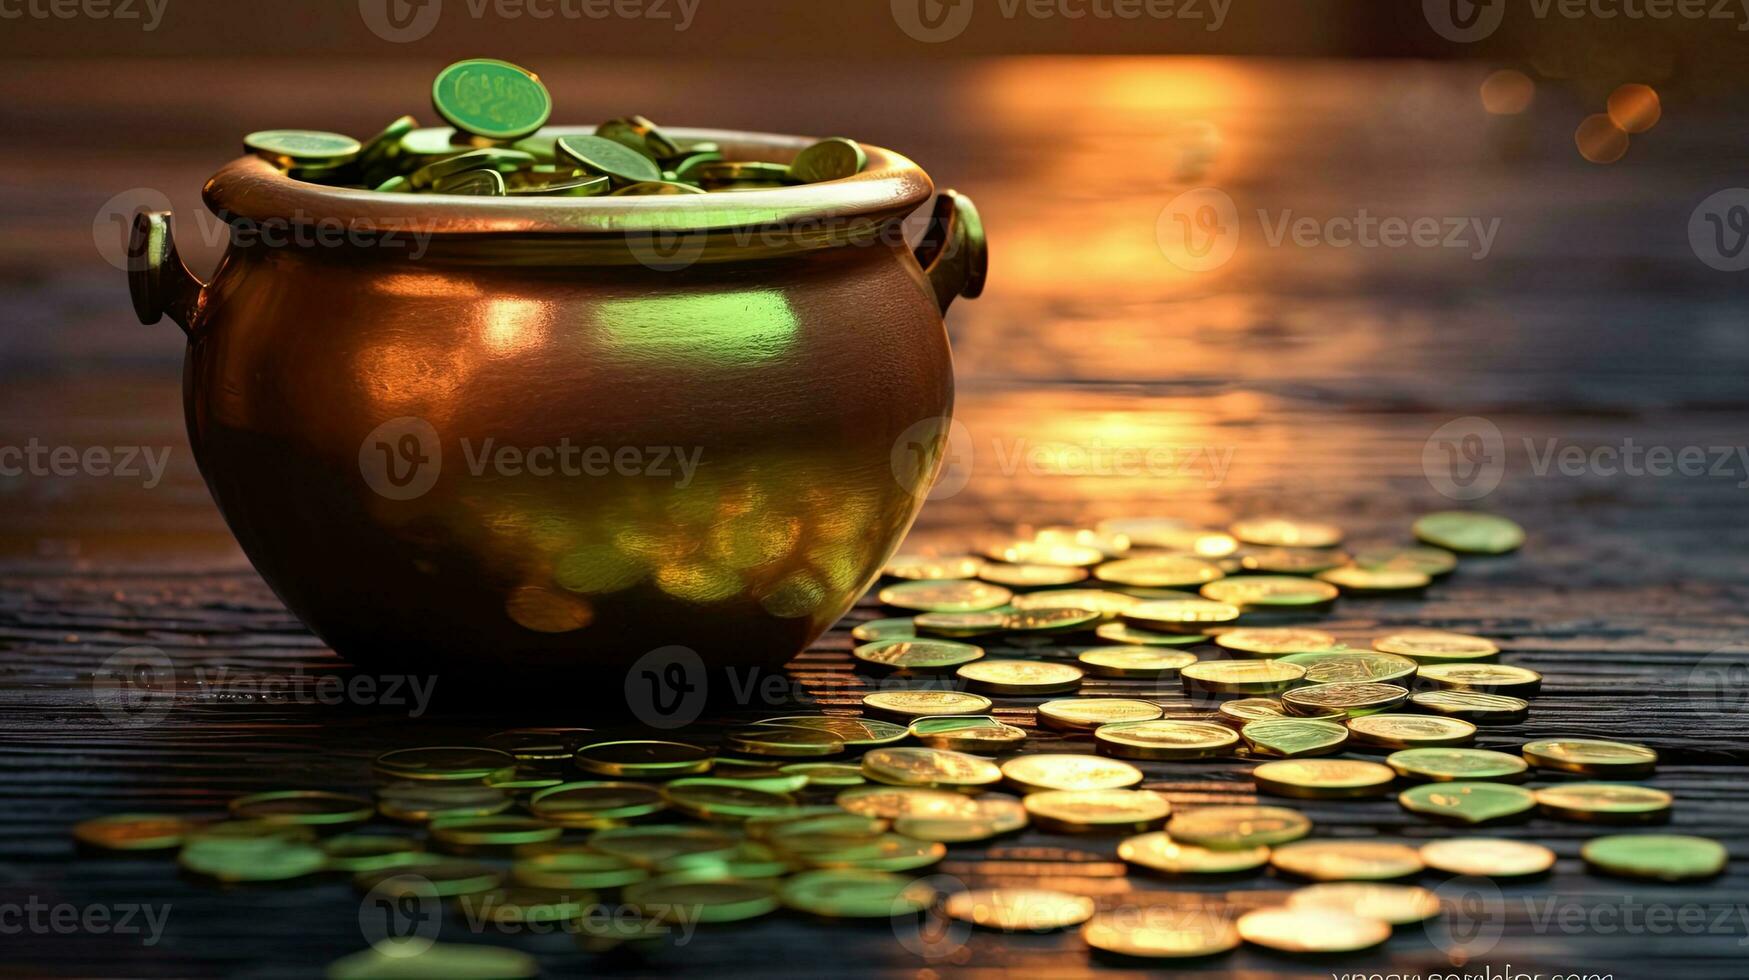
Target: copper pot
488 434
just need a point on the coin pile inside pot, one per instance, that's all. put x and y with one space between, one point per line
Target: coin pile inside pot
495 146
628 842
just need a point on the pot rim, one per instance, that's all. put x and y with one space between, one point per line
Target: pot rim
252 190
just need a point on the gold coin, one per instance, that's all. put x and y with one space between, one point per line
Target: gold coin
1059 620
952 596
539 745
1294 737
883 629
826 773
1487 857
1160 852
1388 731
885 852
1327 779
132 831
1592 757
1072 811
1134 661
1020 676
1437 646
595 804
723 799
1170 534
851 731
959 624
1346 860
1046 553
1398 905
1445 765
967 733
1232 828
1109 544
1354 580
917 655
1165 739
1241 676
935 768
932 568
643 759
1493 678
1265 592
919 704
1071 714
1432 562
851 893
1159 572
1179 615
570 866
1107 604
1161 932
702 897
1469 533
1019 909
1292 930
1276 641
1293 561
890 802
1468 802
1242 711
784 742
1031 576
1605 802
1352 666
444 763
1474 706
1286 532
977 819
1034 773
1130 636
1353 699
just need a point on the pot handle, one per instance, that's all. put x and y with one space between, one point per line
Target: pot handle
952 253
157 279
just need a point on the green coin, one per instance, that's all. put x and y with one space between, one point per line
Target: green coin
724 799
569 866
644 759
1469 533
490 98
1448 764
432 874
251 859
301 147
1477 707
648 188
311 807
496 831
444 763
370 852
601 155
730 173
883 629
438 961
1660 857
1256 593
384 146
830 159
1293 737
1468 802
1432 562
489 158
648 845
781 741
431 142
917 655
1060 620
1352 667
702 896
595 804
471 183
856 894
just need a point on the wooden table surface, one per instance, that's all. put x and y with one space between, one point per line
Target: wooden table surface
1298 378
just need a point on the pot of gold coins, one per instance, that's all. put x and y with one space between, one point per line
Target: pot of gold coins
502 394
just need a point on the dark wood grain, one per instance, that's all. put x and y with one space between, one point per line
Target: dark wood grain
1317 373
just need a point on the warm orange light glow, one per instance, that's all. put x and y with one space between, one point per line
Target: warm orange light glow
1635 108
1507 92
1600 140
